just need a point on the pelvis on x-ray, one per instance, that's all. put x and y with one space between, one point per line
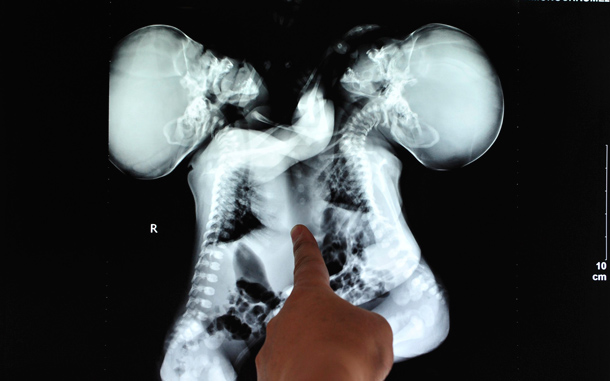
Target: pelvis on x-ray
433 93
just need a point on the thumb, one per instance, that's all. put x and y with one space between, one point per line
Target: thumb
309 267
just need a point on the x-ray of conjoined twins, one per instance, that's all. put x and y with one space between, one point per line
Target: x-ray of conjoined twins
433 93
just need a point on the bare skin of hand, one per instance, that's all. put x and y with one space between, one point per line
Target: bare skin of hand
319 336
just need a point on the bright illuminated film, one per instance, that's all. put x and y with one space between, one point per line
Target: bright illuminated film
333 169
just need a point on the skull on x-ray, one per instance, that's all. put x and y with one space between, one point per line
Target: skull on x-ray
435 93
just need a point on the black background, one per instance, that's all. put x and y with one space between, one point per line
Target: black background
89 293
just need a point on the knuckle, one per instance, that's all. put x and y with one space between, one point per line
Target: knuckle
303 247
303 261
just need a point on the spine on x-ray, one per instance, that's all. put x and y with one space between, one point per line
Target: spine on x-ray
352 147
208 259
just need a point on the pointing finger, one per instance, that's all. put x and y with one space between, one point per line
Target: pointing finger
309 267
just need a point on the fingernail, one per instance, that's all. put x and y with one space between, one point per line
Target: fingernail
295 232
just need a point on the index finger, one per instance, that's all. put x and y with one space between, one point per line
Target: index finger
309 266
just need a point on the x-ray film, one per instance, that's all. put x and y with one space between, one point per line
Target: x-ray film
449 156
430 147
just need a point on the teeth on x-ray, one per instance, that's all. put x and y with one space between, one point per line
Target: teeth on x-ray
433 93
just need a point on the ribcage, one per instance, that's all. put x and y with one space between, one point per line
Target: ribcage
343 186
236 217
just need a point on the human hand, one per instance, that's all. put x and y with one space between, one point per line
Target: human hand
319 336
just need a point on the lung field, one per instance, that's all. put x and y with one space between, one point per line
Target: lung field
343 187
239 218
